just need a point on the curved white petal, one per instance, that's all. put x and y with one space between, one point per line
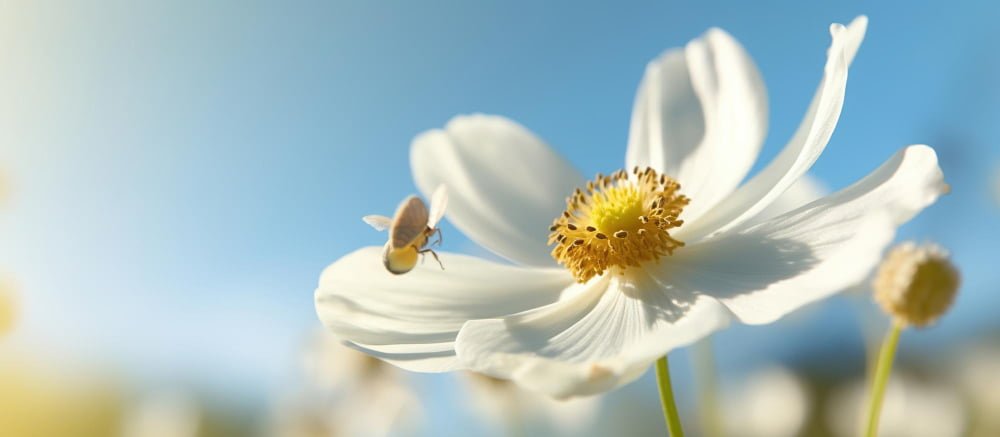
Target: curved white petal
799 154
412 319
803 191
700 116
505 185
764 271
600 337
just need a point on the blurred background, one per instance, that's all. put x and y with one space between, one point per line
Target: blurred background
175 176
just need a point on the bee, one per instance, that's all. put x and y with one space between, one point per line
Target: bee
410 230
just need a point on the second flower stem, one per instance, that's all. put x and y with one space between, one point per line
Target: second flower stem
670 413
881 378
703 355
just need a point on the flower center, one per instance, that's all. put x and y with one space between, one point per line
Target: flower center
618 221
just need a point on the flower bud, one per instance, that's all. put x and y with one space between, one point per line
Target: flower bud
916 284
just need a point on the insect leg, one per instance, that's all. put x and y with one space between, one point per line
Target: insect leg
434 254
440 236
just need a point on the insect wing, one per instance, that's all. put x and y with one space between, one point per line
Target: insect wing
379 222
439 201
409 222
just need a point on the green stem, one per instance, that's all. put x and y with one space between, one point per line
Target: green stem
881 378
667 398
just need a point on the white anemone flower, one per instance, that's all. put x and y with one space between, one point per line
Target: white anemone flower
651 259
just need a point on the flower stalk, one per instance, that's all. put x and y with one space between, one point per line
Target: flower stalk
670 414
881 378
703 355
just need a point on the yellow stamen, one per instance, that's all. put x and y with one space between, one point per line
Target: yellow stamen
618 221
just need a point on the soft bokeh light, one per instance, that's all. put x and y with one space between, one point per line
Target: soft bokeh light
38 398
913 408
8 306
175 175
770 402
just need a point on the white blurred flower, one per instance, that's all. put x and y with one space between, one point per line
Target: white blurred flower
504 404
653 259
352 394
163 414
337 368
911 408
304 416
977 371
773 402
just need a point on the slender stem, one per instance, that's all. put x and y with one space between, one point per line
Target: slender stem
667 398
881 378
703 355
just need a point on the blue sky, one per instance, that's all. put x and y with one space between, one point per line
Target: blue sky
182 171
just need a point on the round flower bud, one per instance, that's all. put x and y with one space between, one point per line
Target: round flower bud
916 284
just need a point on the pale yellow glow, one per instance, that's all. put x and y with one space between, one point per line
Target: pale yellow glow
8 308
34 401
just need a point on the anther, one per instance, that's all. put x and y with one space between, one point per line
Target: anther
641 209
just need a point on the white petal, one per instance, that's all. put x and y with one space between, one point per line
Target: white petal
700 116
765 271
800 153
412 319
505 185
803 191
601 336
